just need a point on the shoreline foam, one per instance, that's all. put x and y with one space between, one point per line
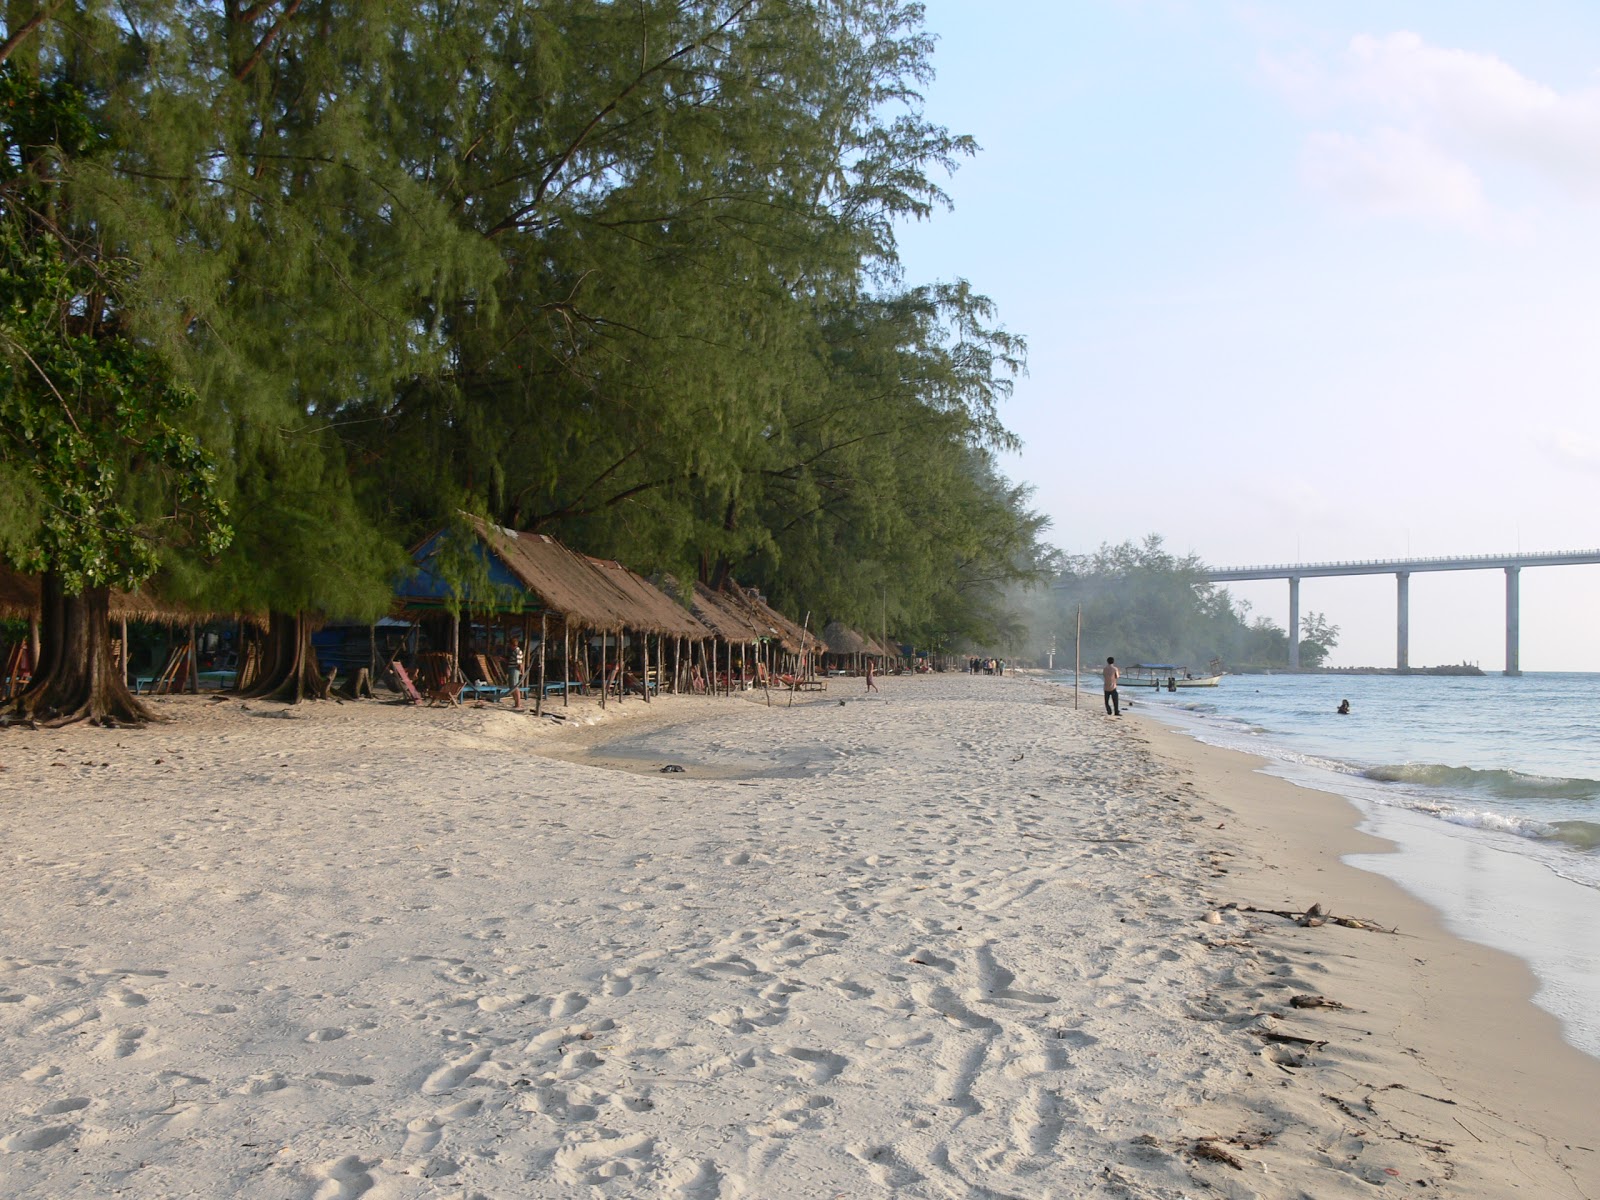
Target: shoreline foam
956 941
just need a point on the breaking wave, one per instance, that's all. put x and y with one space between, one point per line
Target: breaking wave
1507 785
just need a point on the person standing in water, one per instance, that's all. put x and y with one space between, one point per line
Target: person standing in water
1113 701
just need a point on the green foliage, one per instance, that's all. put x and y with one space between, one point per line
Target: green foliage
623 273
1318 639
98 475
1142 603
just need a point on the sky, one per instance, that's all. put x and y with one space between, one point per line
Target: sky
1300 282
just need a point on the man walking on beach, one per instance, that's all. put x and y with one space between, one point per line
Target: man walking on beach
1113 704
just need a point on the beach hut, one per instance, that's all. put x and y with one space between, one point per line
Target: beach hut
657 615
523 576
843 647
779 635
177 644
727 622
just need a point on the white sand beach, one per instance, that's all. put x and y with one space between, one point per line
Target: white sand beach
957 941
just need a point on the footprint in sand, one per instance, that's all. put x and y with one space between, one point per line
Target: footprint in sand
42 1138
452 1075
604 1158
823 1065
123 1043
344 1178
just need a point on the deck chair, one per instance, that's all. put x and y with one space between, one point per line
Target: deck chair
441 680
18 671
406 684
174 676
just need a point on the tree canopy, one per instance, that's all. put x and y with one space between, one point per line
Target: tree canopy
1143 603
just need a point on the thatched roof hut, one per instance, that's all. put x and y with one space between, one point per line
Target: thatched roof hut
19 601
840 639
665 616
773 624
721 617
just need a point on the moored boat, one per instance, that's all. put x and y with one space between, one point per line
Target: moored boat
1164 675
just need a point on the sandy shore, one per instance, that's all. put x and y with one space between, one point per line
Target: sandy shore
959 941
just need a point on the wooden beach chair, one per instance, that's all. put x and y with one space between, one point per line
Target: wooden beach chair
441 679
408 687
174 676
18 671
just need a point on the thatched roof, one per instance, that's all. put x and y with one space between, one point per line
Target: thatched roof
19 595
882 648
769 620
839 638
721 617
671 618
535 571
19 601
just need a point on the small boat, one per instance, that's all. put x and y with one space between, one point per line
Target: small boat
1164 675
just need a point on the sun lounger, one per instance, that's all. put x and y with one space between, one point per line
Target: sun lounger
440 679
406 684
174 676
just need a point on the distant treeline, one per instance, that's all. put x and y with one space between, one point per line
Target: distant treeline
1143 604
284 286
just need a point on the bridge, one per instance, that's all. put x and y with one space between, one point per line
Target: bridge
1402 569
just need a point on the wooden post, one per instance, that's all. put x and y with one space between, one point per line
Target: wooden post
125 652
455 646
538 703
566 661
644 651
194 664
604 683
622 665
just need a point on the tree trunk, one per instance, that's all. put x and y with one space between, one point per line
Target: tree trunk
288 672
74 678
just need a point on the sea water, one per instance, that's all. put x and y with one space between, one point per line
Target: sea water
1489 786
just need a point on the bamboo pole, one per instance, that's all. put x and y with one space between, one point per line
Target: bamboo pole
538 703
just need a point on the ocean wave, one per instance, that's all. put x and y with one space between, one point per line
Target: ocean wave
1509 785
1582 835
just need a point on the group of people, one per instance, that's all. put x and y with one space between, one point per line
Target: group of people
986 666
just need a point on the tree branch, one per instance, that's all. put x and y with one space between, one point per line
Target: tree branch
27 27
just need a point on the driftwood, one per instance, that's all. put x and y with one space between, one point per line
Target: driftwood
1205 1148
1305 1000
1288 1039
1314 916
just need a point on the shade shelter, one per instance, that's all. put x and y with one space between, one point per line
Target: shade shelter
844 647
778 634
727 623
658 615
520 576
20 601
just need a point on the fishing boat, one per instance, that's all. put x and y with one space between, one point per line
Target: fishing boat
1164 675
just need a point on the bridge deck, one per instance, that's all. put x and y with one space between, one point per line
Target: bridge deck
1397 566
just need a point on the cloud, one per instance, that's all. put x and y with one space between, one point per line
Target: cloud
1580 451
1392 173
1435 133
